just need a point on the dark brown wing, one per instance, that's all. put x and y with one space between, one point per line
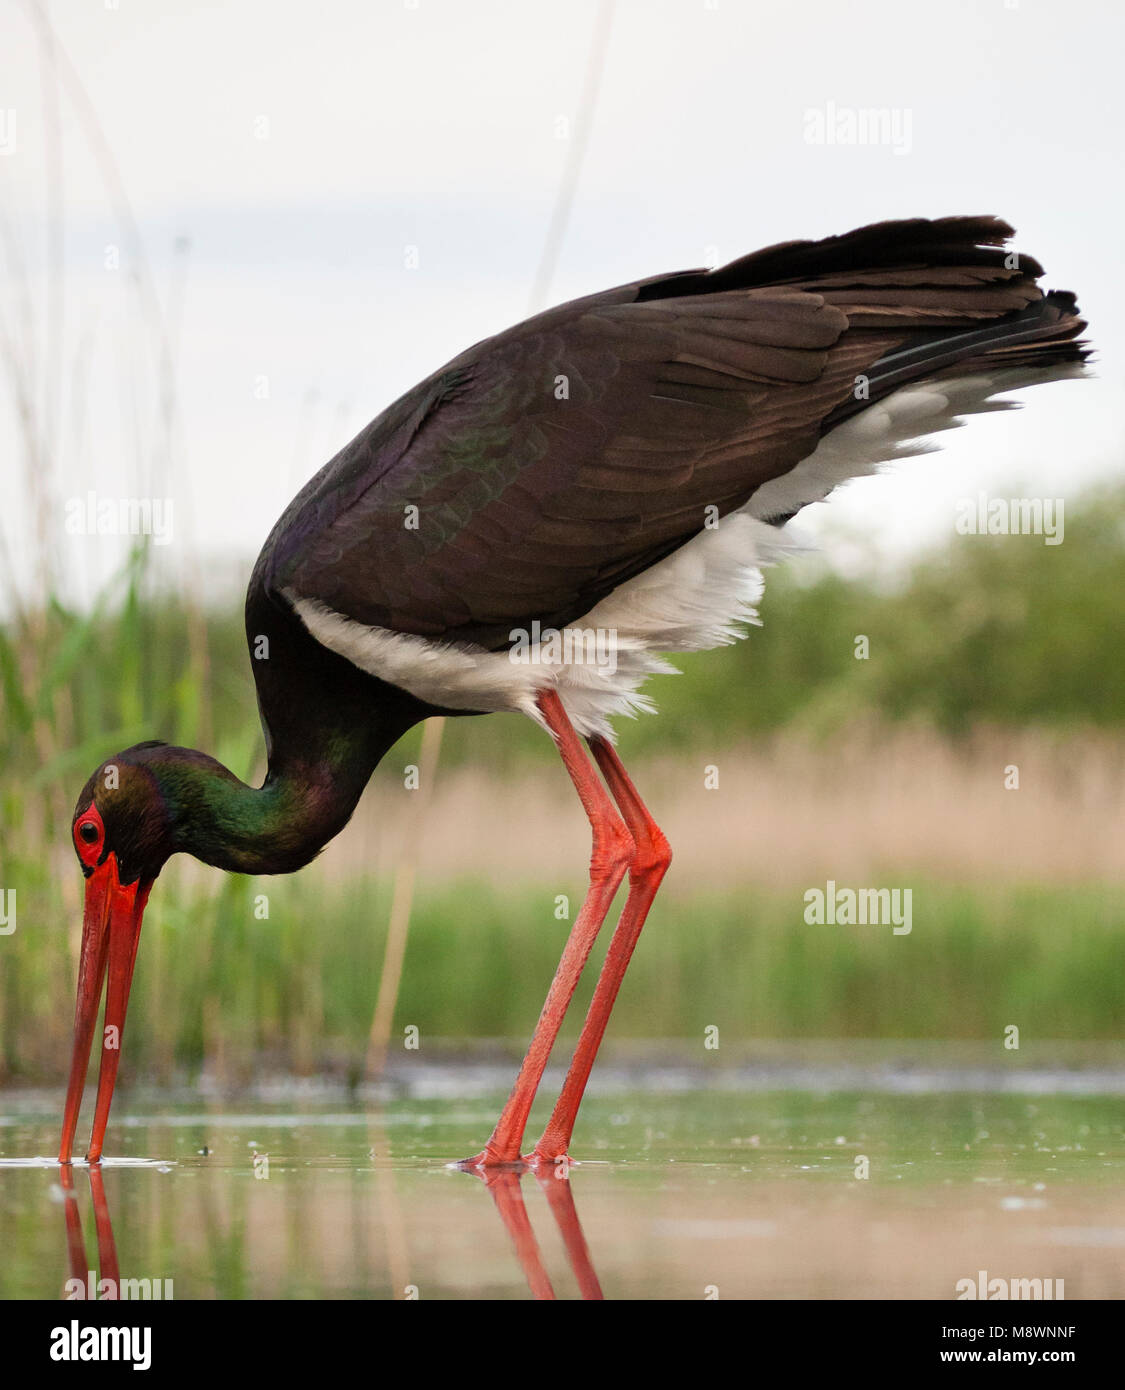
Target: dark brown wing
548 464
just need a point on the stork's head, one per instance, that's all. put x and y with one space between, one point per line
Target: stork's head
123 833
122 813
151 802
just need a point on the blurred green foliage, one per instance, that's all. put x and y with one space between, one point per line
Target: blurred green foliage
217 986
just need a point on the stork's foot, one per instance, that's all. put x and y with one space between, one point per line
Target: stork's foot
492 1160
543 1161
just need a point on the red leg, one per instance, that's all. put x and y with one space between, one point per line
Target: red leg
648 868
612 853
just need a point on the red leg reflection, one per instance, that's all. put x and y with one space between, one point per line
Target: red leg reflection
504 1184
75 1245
556 1185
108 1271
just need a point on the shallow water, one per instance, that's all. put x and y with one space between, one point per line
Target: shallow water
678 1194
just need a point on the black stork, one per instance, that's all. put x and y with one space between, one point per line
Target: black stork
527 530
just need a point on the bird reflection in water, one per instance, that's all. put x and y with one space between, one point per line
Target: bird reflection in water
80 1284
504 1185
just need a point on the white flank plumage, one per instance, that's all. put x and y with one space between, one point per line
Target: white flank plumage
700 596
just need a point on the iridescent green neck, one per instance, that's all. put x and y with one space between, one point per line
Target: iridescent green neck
272 829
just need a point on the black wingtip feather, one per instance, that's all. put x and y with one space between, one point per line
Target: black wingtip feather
941 241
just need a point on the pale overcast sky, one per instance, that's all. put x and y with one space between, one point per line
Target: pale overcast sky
301 149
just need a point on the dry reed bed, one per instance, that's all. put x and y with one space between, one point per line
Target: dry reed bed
790 811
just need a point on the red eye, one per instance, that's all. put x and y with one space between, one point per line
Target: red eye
89 832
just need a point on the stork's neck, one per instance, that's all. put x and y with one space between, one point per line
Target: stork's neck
327 725
306 799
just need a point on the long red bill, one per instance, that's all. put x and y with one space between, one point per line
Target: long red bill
111 928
